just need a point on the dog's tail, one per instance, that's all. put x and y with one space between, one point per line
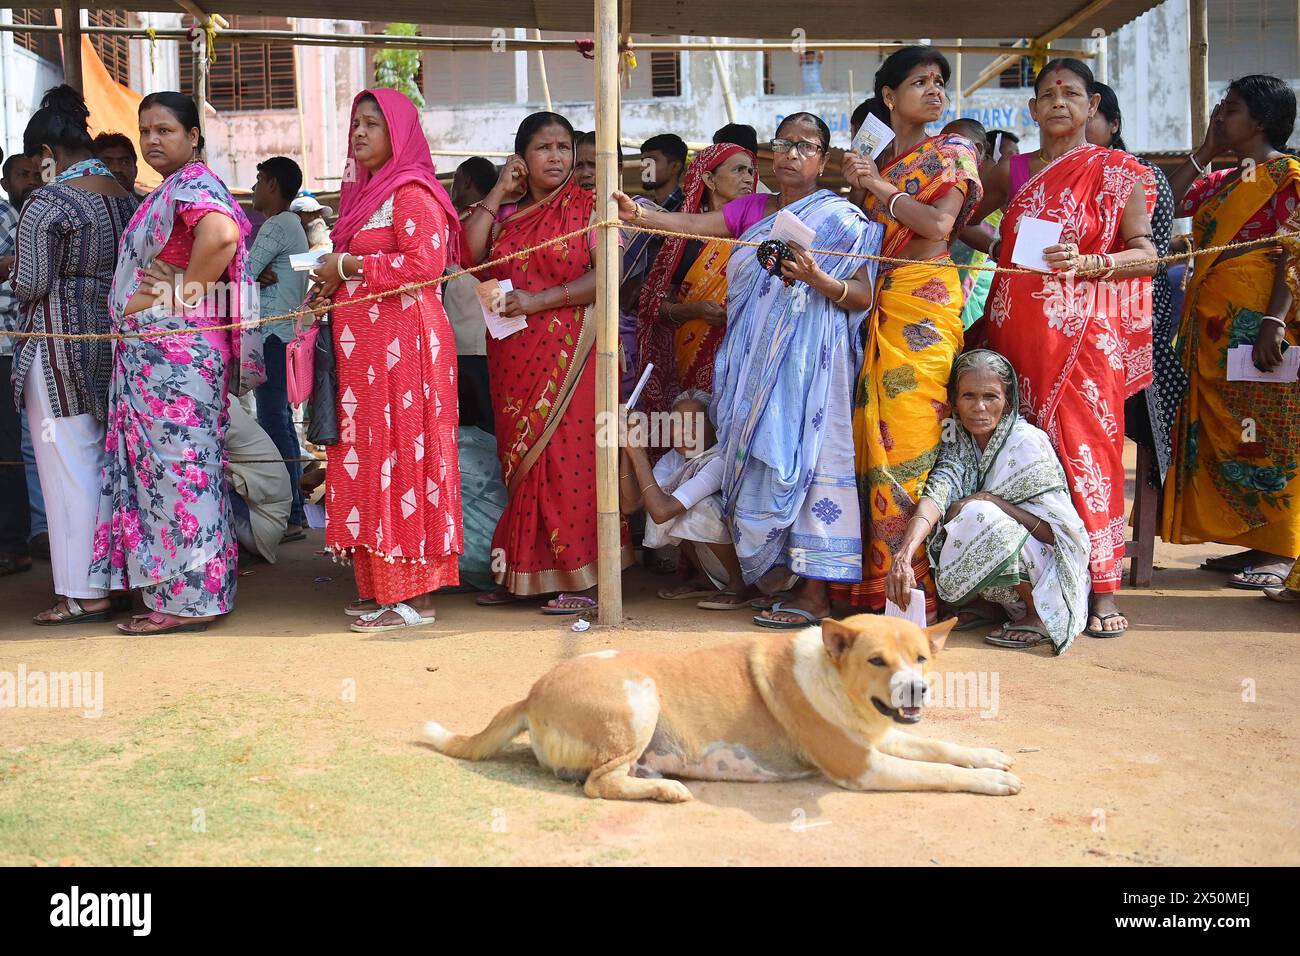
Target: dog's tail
505 726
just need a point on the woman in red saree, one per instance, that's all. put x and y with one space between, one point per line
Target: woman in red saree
683 311
393 503
542 379
1079 337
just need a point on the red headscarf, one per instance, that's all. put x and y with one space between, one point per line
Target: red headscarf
655 337
364 192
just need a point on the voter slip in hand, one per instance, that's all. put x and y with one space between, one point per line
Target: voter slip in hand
491 294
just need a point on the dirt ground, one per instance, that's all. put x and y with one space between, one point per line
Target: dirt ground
281 737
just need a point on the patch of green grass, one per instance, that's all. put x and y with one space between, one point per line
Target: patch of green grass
253 779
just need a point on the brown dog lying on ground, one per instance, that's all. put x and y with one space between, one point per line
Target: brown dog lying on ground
772 707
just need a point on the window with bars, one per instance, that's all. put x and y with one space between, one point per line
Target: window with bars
1018 74
44 45
665 73
114 51
246 76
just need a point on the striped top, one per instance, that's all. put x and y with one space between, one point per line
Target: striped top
67 251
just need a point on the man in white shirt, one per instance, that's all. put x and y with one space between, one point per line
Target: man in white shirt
683 504
314 218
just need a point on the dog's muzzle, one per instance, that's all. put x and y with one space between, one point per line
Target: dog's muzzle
908 693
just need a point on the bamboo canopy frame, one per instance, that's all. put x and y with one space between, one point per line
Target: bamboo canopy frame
1042 21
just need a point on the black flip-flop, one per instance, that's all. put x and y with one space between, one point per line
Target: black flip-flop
809 618
1002 641
977 621
1228 563
1102 619
78 615
1236 582
10 564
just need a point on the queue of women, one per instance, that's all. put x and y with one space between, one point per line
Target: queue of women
860 443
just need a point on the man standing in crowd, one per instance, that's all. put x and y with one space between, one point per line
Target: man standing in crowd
474 179
117 152
283 291
15 518
313 217
663 161
20 177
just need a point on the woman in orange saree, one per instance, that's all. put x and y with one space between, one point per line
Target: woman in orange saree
542 378
1234 472
923 194
1079 336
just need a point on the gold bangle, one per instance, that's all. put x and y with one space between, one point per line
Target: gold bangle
845 294
648 484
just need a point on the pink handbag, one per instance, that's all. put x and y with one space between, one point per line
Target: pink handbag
299 359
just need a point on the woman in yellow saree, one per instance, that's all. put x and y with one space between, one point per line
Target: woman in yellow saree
923 194
1236 444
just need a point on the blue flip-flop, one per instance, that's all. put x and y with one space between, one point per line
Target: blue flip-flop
809 619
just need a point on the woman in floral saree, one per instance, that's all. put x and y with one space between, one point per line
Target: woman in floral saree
542 378
783 378
1080 345
683 314
165 524
923 195
1003 536
1235 471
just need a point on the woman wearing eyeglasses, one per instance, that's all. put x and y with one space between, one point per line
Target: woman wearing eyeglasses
784 373
923 192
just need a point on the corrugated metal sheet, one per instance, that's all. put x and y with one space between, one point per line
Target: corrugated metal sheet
819 19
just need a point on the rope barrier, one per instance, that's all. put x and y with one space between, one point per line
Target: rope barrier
1173 258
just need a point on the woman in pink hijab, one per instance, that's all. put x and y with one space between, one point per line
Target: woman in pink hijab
393 500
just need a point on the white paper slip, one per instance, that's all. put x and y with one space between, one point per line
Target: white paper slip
1033 237
315 514
1241 366
490 294
872 138
636 392
306 261
789 229
915 608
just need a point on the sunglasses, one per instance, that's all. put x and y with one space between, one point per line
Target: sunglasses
804 148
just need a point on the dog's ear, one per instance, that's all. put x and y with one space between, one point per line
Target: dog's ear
837 638
937 634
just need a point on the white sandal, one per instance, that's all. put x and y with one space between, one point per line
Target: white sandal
409 615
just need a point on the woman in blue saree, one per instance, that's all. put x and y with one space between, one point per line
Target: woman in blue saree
783 379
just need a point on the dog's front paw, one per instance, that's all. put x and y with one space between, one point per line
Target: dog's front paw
987 757
997 783
673 791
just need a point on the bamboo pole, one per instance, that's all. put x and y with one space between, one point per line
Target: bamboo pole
725 81
70 28
541 68
609 567
956 105
481 44
609 561
297 98
1199 68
